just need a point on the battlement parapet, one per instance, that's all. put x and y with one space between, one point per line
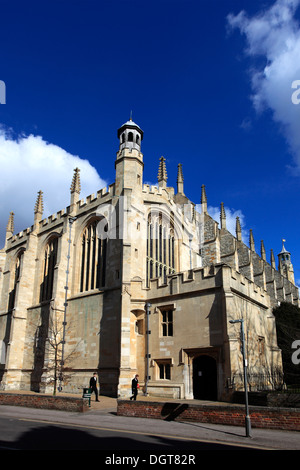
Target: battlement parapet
208 278
104 193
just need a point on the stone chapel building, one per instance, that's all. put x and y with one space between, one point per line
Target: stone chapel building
135 279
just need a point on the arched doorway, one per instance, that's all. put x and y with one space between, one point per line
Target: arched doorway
205 378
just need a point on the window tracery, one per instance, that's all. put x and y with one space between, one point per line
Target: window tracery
93 258
50 260
160 247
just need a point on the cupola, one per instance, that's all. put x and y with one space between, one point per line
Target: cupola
130 135
285 264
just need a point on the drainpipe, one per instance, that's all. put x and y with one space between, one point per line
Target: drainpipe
247 417
147 306
71 220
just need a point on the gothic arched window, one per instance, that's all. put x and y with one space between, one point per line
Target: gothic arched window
50 259
93 259
17 273
160 247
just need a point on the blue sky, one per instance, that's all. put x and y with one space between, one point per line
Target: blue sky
208 81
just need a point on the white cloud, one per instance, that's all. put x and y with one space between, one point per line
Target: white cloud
29 164
274 35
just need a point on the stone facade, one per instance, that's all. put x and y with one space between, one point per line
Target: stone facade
84 276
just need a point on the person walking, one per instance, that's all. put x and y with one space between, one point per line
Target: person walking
134 387
93 385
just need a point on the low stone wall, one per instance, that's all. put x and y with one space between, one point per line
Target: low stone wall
49 402
233 415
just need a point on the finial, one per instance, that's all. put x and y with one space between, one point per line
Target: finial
130 119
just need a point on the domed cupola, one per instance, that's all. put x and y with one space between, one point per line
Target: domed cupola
130 136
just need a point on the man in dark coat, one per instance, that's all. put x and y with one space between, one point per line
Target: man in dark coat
134 387
93 385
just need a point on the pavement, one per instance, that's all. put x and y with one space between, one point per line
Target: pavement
103 415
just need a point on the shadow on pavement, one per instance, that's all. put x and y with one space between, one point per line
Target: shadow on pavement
49 437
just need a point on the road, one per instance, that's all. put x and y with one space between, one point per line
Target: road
102 430
28 434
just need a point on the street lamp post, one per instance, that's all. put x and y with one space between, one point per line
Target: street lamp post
247 418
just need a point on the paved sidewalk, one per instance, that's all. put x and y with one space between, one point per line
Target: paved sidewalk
103 414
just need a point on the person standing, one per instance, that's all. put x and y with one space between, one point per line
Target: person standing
134 387
93 385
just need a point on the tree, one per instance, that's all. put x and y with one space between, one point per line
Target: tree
59 364
49 339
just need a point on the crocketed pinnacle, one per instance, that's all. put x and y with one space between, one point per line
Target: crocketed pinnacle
39 206
203 200
180 179
162 171
273 262
75 186
179 174
251 241
11 224
238 229
223 216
